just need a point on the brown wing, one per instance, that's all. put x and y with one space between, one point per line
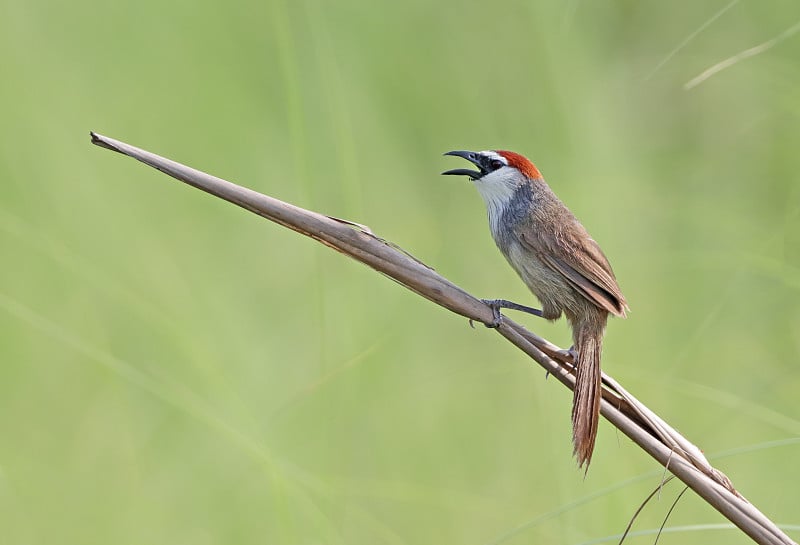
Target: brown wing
579 259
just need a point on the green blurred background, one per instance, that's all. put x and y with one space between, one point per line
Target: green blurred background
176 370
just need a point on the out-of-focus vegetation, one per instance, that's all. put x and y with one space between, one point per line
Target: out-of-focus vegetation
175 370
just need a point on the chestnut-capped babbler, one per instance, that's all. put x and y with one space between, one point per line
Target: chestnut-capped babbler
560 263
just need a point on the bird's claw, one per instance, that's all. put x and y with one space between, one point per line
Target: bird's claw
497 317
570 355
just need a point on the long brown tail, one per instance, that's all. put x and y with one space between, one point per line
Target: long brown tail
586 400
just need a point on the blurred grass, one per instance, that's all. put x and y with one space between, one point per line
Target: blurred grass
177 371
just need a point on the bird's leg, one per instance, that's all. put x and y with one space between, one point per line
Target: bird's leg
497 304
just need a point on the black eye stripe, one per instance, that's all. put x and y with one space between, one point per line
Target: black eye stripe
489 163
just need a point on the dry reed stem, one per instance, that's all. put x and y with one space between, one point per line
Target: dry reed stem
630 416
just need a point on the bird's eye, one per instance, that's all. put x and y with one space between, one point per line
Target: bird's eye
496 164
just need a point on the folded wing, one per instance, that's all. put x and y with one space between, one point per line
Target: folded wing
581 262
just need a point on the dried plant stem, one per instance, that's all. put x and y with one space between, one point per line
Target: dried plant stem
620 408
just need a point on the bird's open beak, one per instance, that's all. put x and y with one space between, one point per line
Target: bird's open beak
473 158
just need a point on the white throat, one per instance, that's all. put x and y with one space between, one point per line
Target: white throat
497 189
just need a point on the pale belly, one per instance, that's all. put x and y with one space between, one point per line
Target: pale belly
549 286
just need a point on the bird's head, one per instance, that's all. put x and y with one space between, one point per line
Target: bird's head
499 173
494 164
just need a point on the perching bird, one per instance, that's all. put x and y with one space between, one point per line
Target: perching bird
560 263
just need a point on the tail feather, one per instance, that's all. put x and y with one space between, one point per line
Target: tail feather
586 400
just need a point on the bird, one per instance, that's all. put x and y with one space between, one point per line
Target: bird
559 262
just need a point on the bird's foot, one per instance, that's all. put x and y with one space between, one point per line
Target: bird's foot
497 318
497 304
570 355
